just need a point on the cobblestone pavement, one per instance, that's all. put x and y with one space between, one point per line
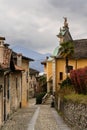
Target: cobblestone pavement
35 117
45 120
48 119
20 119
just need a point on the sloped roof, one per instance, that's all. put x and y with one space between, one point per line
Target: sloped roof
6 58
55 52
33 71
24 57
80 48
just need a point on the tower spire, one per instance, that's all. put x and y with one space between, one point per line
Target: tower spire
65 22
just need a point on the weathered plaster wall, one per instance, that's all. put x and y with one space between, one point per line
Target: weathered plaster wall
1 100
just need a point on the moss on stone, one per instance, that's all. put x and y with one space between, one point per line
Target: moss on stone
79 98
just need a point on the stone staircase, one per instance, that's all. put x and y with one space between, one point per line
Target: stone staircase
47 100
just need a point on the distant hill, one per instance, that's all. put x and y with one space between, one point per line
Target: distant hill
38 57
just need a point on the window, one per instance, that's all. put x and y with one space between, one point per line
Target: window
70 68
61 76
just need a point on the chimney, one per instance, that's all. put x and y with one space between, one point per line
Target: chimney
1 49
19 59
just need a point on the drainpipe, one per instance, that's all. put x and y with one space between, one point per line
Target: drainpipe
54 75
21 92
76 64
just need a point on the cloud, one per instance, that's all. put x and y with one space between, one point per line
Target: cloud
35 23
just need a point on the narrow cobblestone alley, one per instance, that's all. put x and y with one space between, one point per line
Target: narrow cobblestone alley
35 117
48 119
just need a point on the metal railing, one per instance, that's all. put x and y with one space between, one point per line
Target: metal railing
45 98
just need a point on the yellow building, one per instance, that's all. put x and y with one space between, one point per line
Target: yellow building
48 71
55 66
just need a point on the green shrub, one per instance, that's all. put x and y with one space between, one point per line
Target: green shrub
39 97
66 87
65 83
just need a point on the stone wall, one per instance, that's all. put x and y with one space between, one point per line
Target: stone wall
75 114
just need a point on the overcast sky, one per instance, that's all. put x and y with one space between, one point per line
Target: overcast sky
34 24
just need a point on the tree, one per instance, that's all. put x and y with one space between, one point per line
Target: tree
66 51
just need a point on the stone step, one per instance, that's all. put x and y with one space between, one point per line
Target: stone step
48 101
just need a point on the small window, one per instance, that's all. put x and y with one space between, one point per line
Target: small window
70 68
61 76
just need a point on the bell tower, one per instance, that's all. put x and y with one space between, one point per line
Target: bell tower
64 34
